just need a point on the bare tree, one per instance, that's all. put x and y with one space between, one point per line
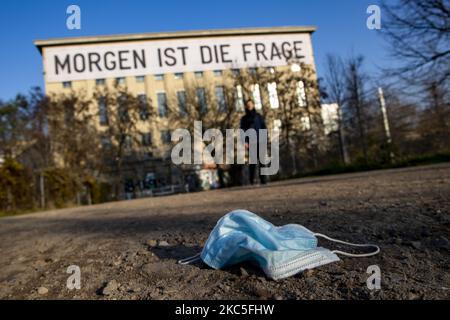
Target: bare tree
356 102
335 83
419 36
120 114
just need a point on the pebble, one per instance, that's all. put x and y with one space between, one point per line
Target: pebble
163 243
416 244
42 290
309 273
110 287
152 243
244 272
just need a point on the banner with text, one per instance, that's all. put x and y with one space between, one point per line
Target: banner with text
138 58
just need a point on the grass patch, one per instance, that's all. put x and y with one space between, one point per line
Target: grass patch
426 159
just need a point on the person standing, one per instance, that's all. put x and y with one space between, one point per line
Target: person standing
253 120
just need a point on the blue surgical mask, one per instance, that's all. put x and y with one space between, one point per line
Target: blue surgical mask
280 251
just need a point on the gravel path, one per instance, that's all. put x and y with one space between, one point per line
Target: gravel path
128 250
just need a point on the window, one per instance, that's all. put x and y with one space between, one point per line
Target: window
301 94
252 71
120 81
105 142
165 136
146 139
143 107
217 73
103 111
67 84
122 109
235 72
201 98
179 75
127 142
198 74
273 95
159 77
181 97
239 98
256 96
295 67
305 122
162 104
100 82
220 96
140 79
276 125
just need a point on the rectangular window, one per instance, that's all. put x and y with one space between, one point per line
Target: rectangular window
67 84
127 142
235 72
120 81
140 79
273 95
305 122
201 98
199 74
239 98
277 125
103 111
146 139
105 142
217 73
256 93
181 97
162 104
252 71
143 107
220 96
100 82
159 77
178 75
122 108
165 136
301 94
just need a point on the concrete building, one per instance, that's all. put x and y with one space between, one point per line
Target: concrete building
160 66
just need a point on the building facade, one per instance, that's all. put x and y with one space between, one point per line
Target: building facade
160 67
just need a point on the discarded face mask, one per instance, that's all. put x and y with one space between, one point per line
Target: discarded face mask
280 251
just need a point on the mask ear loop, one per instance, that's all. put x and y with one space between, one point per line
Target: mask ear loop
360 255
189 260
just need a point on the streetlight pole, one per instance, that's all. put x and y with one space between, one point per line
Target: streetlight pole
387 129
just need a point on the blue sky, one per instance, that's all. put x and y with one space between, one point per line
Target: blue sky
341 27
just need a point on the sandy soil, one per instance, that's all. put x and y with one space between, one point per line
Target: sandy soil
133 245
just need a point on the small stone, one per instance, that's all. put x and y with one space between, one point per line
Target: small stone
416 244
398 241
278 297
110 287
309 273
244 272
42 290
152 243
413 296
163 243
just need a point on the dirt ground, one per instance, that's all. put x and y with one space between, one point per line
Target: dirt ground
129 250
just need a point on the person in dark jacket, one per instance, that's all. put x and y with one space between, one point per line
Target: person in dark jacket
253 120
